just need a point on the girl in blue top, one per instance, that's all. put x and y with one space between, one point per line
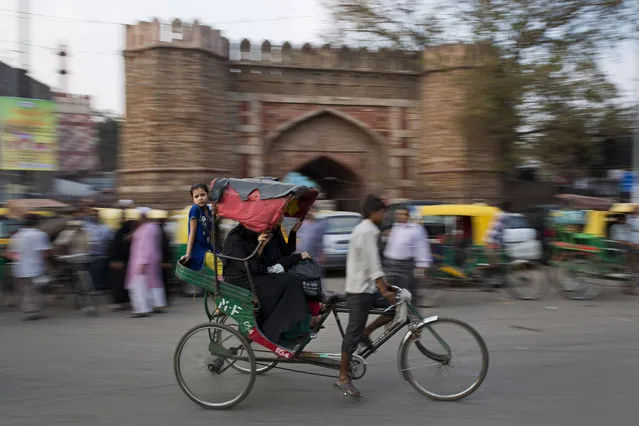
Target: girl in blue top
200 225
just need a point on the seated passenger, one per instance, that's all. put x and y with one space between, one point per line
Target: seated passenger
278 251
283 306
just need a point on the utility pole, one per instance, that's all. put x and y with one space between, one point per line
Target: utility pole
24 88
24 85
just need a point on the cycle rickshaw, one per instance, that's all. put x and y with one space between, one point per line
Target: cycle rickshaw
231 343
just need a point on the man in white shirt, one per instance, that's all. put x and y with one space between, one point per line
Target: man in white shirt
365 288
29 248
407 252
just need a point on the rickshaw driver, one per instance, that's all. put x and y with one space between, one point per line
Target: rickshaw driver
364 275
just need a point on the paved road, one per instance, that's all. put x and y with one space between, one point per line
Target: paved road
554 362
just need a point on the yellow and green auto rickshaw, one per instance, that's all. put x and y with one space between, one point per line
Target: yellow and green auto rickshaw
112 217
457 233
583 255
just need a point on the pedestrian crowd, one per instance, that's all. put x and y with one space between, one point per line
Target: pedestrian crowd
81 255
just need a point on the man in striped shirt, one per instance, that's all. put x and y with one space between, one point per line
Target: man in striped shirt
495 235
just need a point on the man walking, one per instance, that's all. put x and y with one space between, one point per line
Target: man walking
407 252
365 288
29 249
310 237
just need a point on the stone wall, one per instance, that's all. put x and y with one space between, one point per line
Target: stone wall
199 107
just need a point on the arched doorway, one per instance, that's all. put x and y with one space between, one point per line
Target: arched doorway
338 183
341 154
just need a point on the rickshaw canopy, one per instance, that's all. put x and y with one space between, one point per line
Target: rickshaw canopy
624 208
259 203
481 216
584 202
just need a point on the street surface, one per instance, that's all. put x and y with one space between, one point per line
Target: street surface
553 362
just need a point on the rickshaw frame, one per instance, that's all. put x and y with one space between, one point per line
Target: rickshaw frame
239 304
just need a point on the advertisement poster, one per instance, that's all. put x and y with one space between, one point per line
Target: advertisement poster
28 137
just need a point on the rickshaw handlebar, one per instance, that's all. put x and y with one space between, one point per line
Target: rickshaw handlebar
243 259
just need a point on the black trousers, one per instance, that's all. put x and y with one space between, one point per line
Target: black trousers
359 306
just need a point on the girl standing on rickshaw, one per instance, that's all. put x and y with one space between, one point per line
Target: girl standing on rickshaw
199 229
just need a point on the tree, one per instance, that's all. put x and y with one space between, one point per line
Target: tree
108 126
542 93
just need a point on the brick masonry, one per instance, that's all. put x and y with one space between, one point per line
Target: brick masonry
385 121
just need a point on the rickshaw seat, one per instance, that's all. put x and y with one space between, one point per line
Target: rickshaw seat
234 301
332 297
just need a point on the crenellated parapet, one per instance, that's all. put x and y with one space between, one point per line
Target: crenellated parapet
450 56
327 56
145 35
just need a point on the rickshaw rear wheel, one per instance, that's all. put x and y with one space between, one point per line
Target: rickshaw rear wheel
215 357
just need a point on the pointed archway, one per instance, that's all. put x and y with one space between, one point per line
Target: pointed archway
338 152
338 182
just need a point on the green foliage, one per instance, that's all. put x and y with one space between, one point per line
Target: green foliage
543 95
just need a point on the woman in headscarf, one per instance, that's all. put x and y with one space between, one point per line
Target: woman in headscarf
144 274
283 307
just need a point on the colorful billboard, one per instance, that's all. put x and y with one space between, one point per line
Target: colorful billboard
28 134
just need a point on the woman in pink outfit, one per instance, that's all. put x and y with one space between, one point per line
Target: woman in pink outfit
144 272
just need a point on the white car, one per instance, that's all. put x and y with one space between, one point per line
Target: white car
338 235
521 240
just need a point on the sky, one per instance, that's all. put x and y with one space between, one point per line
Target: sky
94 33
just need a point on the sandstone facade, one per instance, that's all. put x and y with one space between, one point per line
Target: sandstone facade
355 120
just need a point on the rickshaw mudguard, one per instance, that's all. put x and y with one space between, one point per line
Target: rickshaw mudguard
256 335
407 336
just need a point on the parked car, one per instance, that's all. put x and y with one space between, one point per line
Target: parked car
337 237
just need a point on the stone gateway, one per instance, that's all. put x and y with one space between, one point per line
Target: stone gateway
354 120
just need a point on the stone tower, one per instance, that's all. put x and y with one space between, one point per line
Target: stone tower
178 123
454 167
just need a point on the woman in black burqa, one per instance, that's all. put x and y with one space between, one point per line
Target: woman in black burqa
282 302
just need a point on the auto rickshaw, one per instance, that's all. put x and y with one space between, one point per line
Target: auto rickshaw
462 260
583 256
112 217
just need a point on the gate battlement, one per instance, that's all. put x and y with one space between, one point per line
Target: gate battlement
177 34
145 35
326 56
